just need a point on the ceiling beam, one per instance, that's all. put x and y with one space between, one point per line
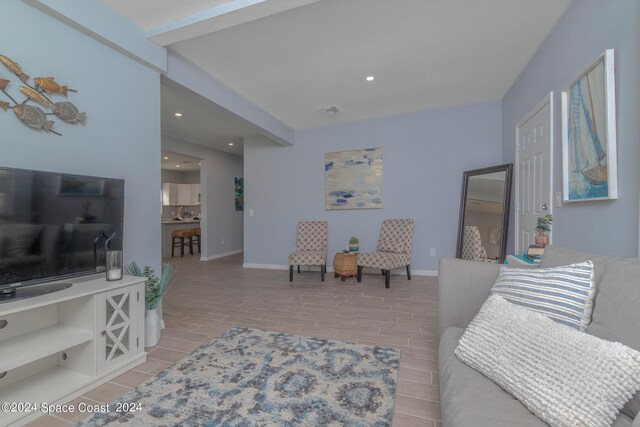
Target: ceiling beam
226 15
95 19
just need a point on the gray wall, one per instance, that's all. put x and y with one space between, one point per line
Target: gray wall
220 221
121 138
587 29
424 156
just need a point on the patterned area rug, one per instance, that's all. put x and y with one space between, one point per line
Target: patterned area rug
249 377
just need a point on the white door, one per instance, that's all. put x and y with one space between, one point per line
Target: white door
118 327
534 166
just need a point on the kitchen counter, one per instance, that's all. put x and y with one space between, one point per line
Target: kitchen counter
169 227
184 221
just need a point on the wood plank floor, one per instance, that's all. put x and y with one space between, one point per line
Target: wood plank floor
209 297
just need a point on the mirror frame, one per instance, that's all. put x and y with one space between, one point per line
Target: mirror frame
508 169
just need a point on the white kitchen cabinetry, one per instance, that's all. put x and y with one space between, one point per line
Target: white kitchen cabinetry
58 346
174 194
195 194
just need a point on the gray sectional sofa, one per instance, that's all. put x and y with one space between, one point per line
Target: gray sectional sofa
467 397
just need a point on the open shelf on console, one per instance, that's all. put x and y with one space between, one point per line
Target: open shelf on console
29 347
46 386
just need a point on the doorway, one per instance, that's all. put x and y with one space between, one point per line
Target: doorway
534 169
182 205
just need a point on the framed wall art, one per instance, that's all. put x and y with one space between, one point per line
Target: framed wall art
353 179
589 155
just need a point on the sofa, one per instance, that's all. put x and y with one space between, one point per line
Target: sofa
467 397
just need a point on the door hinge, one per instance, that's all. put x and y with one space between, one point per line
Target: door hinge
138 296
137 342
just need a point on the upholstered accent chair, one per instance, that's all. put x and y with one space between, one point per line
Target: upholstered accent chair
472 247
311 247
394 249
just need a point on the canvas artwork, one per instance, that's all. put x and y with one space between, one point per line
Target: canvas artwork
353 179
239 194
589 138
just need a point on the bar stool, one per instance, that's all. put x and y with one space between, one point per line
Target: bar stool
178 241
196 237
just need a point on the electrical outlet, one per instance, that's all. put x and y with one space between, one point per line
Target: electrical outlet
250 212
558 203
432 251
222 241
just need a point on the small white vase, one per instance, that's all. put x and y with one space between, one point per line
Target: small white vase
152 328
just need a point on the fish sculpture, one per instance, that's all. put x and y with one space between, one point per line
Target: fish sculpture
50 86
33 117
35 96
68 112
3 84
4 105
14 68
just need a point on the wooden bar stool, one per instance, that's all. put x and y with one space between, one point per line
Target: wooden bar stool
196 237
178 240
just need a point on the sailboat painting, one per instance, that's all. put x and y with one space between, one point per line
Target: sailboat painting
589 153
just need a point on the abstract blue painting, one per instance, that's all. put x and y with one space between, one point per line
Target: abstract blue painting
353 179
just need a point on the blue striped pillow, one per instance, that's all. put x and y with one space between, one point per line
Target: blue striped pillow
564 294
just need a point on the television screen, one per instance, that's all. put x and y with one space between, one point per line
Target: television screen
49 223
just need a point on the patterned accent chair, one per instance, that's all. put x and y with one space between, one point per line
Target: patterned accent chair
472 247
311 247
394 249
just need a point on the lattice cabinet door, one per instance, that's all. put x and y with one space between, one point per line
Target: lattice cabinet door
118 340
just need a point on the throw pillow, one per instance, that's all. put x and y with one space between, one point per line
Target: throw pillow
565 377
564 294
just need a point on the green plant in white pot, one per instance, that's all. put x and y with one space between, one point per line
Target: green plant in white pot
155 287
354 244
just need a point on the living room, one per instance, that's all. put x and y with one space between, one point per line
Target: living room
449 88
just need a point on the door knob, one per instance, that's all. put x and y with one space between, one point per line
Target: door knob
545 207
103 333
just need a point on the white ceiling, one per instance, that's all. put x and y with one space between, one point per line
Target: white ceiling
423 53
186 163
150 14
202 121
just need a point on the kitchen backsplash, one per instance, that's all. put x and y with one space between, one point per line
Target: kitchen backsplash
169 212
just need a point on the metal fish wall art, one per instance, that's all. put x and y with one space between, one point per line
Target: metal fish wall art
14 68
33 117
50 86
68 112
35 96
40 92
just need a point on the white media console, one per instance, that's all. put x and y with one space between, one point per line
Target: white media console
58 346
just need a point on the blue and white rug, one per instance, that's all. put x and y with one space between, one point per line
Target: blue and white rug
248 377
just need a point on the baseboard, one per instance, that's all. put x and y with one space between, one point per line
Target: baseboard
222 255
398 272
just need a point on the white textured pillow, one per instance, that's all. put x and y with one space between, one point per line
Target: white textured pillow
565 377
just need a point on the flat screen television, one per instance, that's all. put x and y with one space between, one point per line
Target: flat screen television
49 223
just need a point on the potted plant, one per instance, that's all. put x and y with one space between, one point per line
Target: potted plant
155 287
544 226
354 244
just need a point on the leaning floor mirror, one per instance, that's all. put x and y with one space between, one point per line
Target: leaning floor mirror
484 214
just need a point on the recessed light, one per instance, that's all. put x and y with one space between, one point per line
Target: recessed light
370 78
166 158
177 166
230 144
178 114
199 163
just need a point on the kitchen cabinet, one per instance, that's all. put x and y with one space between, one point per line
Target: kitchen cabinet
174 194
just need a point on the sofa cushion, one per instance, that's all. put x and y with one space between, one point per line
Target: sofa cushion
564 376
555 256
617 313
564 294
468 398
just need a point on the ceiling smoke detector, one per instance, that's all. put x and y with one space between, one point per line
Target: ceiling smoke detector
330 111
